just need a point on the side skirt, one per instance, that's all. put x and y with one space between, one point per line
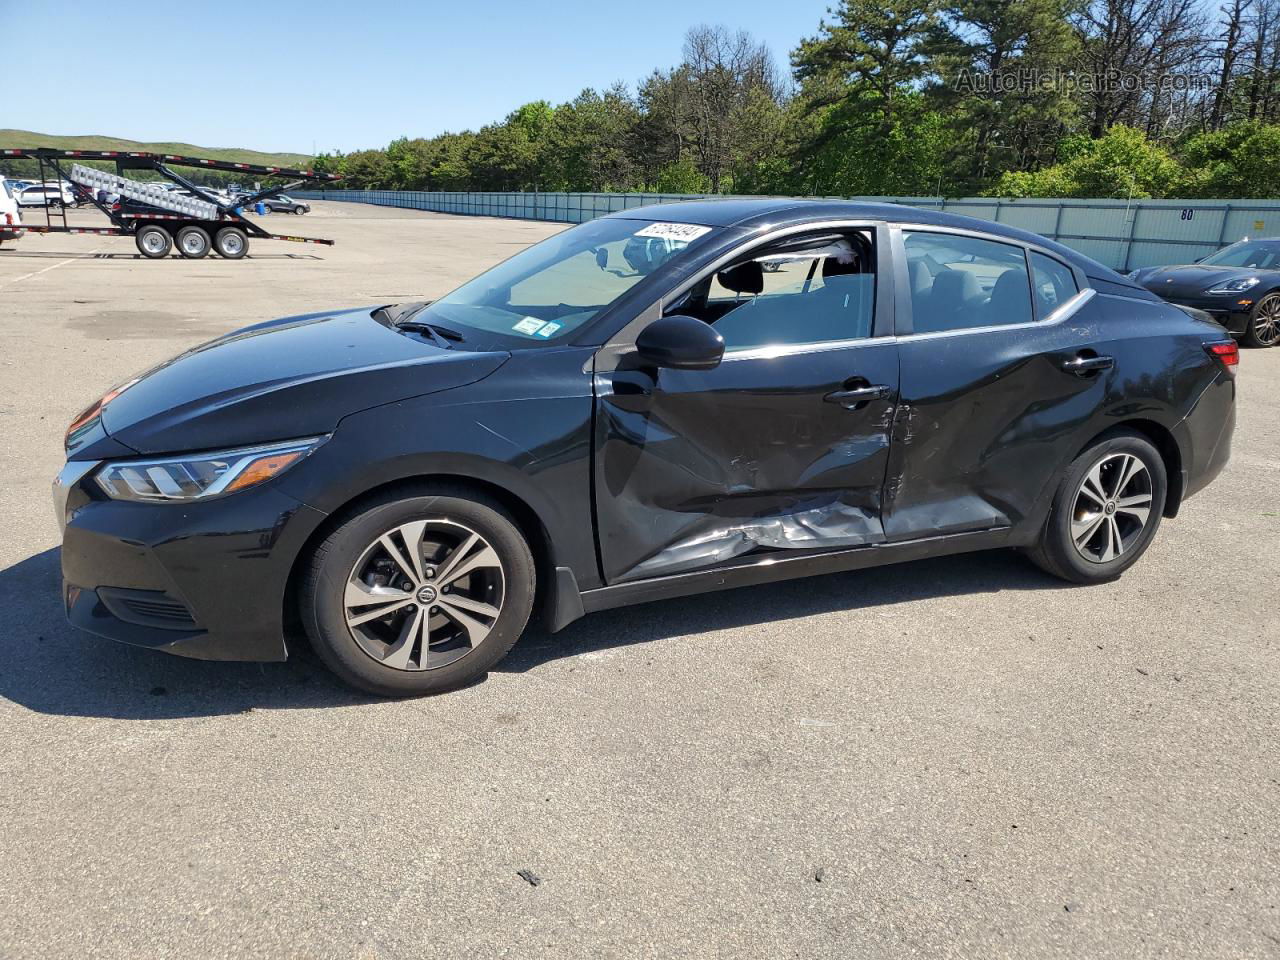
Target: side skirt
567 604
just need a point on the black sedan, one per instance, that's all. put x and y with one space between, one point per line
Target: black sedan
1239 286
660 402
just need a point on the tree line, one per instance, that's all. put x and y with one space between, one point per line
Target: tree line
1012 98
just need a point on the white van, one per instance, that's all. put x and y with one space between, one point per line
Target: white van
10 215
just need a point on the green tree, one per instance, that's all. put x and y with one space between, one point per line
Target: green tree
987 55
1240 160
1124 163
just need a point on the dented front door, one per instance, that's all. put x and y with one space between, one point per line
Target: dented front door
770 451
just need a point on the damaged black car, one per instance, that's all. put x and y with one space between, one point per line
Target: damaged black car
660 402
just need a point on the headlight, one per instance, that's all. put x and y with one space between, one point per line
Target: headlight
1235 286
200 475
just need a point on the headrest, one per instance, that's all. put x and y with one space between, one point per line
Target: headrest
1010 298
832 267
955 287
744 278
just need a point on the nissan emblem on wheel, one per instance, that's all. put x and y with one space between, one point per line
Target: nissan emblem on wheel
660 402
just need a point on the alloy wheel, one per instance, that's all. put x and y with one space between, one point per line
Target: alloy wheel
1111 508
1266 323
424 594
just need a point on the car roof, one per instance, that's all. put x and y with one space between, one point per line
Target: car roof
750 212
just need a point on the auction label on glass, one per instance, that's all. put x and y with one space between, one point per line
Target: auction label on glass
688 232
528 325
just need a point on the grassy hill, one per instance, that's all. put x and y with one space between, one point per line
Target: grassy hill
26 138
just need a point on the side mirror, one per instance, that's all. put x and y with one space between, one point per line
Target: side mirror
602 257
680 343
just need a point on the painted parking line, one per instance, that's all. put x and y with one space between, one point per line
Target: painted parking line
54 266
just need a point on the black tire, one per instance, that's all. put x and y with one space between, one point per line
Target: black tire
231 243
299 211
193 242
1057 553
153 242
324 584
1264 322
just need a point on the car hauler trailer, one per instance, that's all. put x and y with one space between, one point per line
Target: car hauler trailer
156 218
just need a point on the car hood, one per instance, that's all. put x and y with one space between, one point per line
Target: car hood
1191 280
292 377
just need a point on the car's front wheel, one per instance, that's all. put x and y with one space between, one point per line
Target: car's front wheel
419 592
1105 512
1264 322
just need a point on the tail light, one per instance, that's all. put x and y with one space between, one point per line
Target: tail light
1227 352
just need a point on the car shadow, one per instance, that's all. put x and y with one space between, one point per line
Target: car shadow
49 667
993 571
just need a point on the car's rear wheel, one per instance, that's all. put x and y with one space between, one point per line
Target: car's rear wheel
1105 512
153 242
419 592
1264 322
231 243
193 242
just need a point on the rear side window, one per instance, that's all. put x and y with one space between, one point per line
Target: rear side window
959 282
1053 284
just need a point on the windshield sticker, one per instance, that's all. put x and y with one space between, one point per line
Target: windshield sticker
548 329
688 232
528 325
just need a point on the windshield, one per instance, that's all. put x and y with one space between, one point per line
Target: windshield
1265 255
553 288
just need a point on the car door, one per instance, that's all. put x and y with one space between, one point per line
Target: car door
1000 360
781 447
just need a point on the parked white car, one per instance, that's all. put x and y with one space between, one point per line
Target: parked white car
10 215
46 195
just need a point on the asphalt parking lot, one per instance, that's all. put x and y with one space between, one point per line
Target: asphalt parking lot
954 758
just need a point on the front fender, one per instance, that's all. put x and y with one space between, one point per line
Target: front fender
525 431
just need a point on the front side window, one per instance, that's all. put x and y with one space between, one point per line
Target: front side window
807 290
959 282
551 289
1053 284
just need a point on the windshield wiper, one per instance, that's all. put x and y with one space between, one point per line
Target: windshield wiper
441 335
400 317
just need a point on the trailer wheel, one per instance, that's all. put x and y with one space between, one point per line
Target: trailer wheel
193 242
153 242
231 243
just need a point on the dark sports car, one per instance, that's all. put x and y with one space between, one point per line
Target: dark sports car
664 401
1239 286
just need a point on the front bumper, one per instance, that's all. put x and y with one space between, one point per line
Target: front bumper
1225 310
205 580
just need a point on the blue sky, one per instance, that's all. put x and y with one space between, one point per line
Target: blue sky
350 74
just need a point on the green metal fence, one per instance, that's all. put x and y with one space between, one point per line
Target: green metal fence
1124 235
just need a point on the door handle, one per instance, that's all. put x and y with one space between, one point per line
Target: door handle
858 395
1082 366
